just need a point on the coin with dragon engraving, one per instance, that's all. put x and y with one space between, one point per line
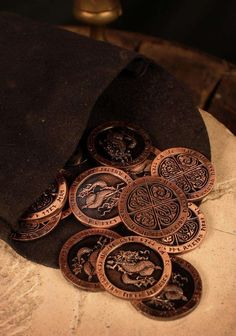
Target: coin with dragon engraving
179 297
189 236
133 268
153 207
79 254
49 203
119 144
94 196
31 230
189 170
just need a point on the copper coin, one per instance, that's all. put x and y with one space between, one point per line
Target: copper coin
190 170
94 196
31 230
49 203
133 268
119 144
79 255
189 236
153 207
144 168
66 211
179 297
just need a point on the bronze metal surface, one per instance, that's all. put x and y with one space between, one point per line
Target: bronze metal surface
153 207
119 144
78 257
190 170
49 203
189 236
133 268
31 230
179 297
94 196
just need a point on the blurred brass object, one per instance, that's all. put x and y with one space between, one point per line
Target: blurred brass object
97 14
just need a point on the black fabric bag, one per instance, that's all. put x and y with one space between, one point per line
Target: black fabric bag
53 86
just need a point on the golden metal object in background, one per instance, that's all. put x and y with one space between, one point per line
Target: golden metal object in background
97 14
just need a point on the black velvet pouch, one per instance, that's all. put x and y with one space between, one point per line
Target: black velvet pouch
53 86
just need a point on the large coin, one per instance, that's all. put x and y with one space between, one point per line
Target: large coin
153 207
79 255
179 297
49 203
189 170
94 196
31 230
119 144
189 236
133 268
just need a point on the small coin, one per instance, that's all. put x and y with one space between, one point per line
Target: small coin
133 268
31 230
144 168
49 203
94 196
189 236
153 207
119 144
79 255
189 170
179 297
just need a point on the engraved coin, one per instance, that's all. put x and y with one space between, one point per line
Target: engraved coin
31 230
94 196
119 144
49 203
189 170
133 268
66 211
79 255
178 298
189 236
153 207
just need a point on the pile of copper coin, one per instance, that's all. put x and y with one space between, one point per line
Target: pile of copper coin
137 206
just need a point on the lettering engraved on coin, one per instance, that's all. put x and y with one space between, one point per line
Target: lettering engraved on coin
45 199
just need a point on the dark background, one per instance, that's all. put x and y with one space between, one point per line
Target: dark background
209 25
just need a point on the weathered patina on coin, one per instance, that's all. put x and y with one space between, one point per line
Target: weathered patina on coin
179 297
79 254
49 203
31 230
189 170
189 236
133 268
119 144
153 207
94 196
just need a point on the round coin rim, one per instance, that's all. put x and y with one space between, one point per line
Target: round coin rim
52 223
128 295
147 232
89 221
55 207
197 195
64 267
111 124
184 310
196 240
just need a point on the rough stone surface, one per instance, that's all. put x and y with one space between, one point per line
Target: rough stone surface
37 301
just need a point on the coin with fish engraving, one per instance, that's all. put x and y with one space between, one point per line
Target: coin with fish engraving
153 207
189 170
119 144
94 196
189 236
179 297
133 268
79 254
31 230
49 203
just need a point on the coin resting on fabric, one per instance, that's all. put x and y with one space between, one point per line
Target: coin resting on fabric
179 297
79 254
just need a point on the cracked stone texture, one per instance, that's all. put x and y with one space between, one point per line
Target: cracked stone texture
38 301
